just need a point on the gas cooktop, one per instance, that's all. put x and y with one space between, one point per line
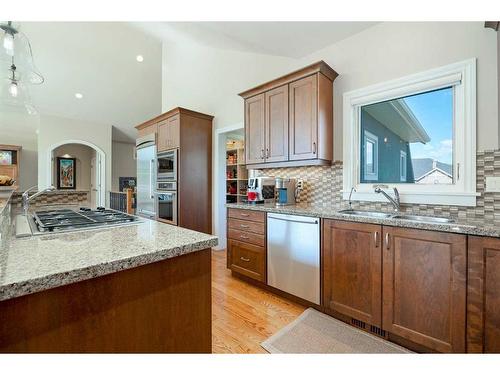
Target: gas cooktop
84 218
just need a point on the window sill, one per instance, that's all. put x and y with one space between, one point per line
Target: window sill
447 199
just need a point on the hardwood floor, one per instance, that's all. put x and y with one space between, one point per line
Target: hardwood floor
243 315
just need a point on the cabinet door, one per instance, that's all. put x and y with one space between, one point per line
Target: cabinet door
254 129
483 295
303 119
276 109
247 259
352 270
424 287
169 133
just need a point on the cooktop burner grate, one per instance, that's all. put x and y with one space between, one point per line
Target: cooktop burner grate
66 219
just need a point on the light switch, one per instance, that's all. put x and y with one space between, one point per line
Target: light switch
492 185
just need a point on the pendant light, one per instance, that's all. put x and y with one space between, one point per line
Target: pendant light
16 49
18 67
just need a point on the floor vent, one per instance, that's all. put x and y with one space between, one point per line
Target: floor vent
358 323
377 331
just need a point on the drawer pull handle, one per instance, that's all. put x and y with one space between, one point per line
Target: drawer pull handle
244 226
245 259
387 241
375 238
244 237
245 215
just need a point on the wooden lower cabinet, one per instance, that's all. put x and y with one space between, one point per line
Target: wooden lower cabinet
483 295
247 259
424 287
352 269
411 283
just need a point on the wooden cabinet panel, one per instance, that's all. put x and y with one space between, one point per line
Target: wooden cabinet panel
151 129
424 287
255 129
169 133
276 123
247 226
248 237
247 259
483 295
247 215
303 125
352 270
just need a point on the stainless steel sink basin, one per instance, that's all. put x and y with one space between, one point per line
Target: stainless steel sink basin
375 214
425 219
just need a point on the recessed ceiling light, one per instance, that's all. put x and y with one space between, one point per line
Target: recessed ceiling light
139 58
78 95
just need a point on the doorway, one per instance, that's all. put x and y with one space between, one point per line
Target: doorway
89 162
222 135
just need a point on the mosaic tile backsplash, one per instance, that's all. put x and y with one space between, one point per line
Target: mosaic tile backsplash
323 187
60 197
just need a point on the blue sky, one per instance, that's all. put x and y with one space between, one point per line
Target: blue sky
434 110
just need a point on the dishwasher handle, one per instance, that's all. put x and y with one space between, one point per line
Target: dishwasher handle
290 218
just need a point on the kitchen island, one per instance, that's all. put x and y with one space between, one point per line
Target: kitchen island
135 288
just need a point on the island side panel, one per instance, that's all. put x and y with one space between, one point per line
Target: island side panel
162 307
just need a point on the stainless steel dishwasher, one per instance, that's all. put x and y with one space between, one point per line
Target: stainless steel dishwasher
293 255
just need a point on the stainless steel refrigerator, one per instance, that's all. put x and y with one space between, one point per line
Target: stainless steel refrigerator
146 176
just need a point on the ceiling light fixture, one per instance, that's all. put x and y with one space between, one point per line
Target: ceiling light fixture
139 58
78 95
16 53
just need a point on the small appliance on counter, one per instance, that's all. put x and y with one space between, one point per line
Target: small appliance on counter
285 191
261 190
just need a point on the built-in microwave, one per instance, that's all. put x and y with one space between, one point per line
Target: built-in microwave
167 165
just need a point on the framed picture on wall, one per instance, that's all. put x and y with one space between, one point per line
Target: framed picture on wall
66 173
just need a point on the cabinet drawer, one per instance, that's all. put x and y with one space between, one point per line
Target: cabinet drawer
247 215
247 226
247 259
256 239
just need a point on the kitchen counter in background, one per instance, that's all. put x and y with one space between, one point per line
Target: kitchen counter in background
471 227
48 261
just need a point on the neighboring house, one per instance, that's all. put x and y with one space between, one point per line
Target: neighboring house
387 129
430 171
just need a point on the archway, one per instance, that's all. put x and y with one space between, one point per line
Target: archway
99 167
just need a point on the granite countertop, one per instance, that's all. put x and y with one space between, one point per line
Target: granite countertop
472 227
38 263
5 196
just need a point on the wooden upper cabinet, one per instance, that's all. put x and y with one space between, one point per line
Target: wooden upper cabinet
424 287
147 130
255 129
169 133
289 121
276 124
303 119
483 295
352 270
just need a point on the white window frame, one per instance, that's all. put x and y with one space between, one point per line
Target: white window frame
374 140
460 75
403 172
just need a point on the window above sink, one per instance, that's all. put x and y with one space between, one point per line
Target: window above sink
416 133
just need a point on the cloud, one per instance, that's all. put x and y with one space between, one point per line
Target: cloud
443 151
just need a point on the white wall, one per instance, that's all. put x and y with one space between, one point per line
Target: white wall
394 49
83 155
54 130
123 163
20 129
209 80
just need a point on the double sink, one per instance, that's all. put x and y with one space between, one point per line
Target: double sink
398 216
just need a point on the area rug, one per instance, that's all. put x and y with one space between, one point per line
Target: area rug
314 332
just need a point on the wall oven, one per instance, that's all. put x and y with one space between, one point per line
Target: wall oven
167 165
166 202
